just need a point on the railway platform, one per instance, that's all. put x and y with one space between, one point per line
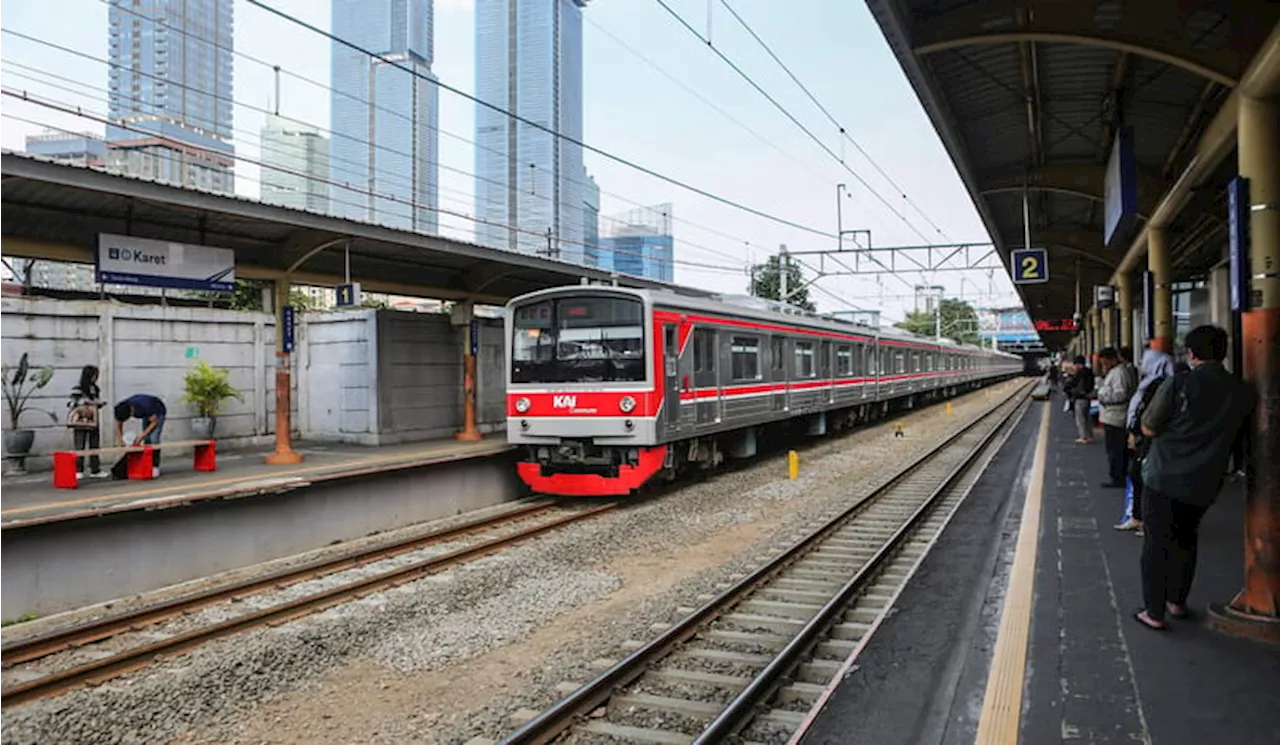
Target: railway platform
32 499
1018 627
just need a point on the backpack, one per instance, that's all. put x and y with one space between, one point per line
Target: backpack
1142 443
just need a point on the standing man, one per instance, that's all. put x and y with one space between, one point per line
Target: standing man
151 410
1113 401
1192 420
1079 391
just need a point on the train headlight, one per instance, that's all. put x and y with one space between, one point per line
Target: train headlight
522 405
627 404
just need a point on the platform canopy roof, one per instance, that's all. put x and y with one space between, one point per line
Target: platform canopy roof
55 211
1028 96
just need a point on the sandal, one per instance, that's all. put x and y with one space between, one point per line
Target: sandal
1179 615
1138 616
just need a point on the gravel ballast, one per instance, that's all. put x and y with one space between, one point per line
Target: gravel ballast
454 655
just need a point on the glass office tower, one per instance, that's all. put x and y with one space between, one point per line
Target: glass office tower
529 182
170 92
383 149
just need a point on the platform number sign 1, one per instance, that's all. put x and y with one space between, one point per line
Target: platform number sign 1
348 295
1030 265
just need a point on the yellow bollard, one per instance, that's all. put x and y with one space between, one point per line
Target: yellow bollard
793 465
898 431
948 408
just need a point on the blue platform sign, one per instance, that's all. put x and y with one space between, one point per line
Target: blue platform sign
288 321
1030 265
1120 190
474 337
1238 241
348 295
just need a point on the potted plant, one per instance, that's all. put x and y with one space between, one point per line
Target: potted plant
20 384
206 388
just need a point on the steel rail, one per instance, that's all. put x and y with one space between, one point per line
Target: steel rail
43 645
98 671
740 709
560 716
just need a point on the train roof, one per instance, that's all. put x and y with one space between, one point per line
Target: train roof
761 309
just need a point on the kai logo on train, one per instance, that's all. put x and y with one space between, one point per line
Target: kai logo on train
564 402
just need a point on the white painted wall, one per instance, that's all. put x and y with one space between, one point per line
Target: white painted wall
362 376
141 349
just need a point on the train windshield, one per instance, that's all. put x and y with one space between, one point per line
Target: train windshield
578 340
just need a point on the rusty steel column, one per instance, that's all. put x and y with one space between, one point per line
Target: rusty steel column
1255 611
470 348
1158 265
1125 300
284 453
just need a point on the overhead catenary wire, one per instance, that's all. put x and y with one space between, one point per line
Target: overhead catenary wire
787 113
401 115
543 128
396 180
103 119
826 112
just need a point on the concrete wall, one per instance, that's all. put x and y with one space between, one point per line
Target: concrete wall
63 565
141 349
362 376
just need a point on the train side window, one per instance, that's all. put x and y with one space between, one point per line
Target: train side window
844 361
804 360
778 355
704 351
745 357
928 362
900 363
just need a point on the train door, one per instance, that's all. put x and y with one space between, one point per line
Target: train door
671 362
778 371
827 366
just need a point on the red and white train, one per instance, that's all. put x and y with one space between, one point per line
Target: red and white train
608 387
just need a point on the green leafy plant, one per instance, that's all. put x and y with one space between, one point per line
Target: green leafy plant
20 383
207 387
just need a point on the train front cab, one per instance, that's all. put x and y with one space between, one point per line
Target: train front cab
581 394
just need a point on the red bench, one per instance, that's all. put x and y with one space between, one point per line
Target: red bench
139 459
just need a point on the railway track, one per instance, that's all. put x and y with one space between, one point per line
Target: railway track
750 663
478 538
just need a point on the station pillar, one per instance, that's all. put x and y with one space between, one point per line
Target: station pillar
1158 265
464 319
284 453
1125 300
1255 611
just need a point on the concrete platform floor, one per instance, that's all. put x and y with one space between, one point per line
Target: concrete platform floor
1091 673
32 499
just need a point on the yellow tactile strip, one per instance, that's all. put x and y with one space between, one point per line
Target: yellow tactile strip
1002 704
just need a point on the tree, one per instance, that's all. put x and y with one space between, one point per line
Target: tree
959 322
765 283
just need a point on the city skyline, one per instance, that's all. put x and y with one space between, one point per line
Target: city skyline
672 108
640 242
170 91
300 156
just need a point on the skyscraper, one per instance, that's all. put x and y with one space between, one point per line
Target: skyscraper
529 63
72 148
385 113
170 91
296 160
640 243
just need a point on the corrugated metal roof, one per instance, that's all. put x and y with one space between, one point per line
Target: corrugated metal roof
975 92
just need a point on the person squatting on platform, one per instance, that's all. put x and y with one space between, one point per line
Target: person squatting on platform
1113 401
1192 422
151 411
1079 391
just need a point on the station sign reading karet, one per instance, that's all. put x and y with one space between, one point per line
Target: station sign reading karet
126 260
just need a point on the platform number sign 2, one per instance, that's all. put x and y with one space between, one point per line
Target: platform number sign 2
1030 265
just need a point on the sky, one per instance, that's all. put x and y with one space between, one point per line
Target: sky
655 95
